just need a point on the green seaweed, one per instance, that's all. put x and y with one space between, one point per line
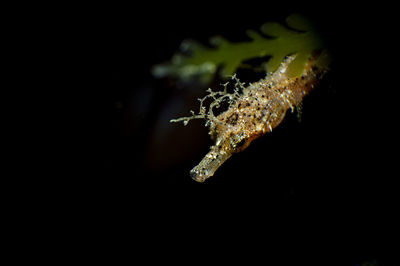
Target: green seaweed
278 41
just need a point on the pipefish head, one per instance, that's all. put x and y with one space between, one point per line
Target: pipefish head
231 134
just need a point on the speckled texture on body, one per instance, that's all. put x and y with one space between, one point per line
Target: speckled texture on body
255 111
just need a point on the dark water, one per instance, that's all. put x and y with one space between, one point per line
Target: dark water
318 191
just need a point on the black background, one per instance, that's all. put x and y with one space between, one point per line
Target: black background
317 191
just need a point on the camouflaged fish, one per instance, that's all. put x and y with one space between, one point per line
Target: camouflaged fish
253 110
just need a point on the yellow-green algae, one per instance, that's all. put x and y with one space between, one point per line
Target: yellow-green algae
300 37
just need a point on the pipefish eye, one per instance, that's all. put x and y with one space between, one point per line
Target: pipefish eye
238 141
241 143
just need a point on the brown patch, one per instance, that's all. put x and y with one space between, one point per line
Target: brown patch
232 120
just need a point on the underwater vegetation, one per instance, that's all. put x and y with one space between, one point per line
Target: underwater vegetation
297 62
276 41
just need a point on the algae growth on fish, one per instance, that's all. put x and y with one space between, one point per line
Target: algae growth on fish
253 111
